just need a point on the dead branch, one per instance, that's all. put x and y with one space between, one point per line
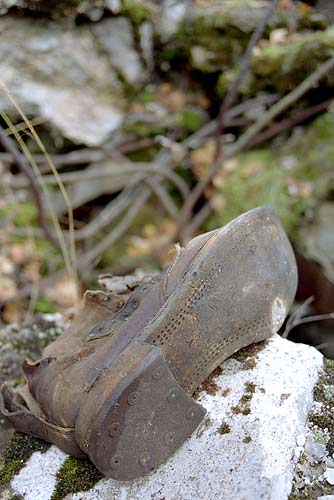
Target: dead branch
284 103
245 139
288 123
90 256
108 213
108 170
9 145
298 317
227 103
244 67
161 192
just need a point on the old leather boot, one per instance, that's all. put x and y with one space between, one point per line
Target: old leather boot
123 389
98 310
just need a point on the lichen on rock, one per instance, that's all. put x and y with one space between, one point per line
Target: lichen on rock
317 458
18 450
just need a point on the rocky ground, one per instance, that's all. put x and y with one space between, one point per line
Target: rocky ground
254 442
125 96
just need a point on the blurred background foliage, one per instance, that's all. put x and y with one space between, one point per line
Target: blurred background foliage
113 113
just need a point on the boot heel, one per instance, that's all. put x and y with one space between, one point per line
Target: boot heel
136 415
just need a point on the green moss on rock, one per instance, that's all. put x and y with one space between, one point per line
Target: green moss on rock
283 66
74 476
19 449
136 10
218 32
258 179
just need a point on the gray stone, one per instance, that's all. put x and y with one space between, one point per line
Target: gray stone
246 448
329 475
44 67
116 38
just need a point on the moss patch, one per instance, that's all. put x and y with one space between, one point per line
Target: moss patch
25 214
248 355
136 11
284 66
209 385
19 449
224 428
75 475
243 407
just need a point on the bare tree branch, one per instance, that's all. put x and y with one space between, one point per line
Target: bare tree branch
244 65
249 134
283 125
87 258
298 319
9 145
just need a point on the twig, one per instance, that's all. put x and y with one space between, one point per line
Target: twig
108 213
284 103
118 231
244 65
194 140
297 314
109 170
249 134
20 161
290 122
309 319
227 103
321 346
162 194
196 221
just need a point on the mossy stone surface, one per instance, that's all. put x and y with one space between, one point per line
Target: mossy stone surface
322 428
221 29
19 449
283 66
73 476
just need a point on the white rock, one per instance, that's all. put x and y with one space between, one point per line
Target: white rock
44 66
329 475
254 461
172 14
37 479
116 38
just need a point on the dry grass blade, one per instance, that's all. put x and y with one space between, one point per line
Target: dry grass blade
55 221
72 266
